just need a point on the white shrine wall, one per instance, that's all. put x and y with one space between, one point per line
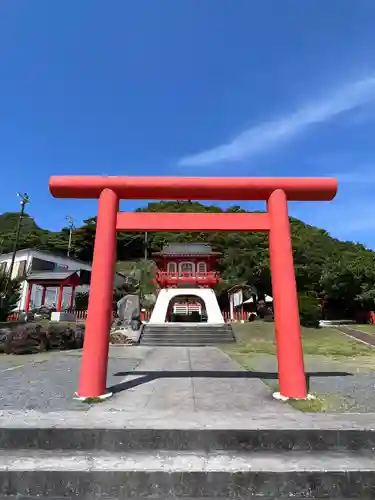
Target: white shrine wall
207 295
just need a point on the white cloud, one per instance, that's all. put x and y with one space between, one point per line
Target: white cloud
273 133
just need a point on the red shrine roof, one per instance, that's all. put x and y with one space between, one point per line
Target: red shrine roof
187 249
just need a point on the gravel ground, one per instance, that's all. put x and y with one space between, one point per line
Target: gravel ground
349 391
47 381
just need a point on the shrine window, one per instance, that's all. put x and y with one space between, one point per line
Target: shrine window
187 267
172 267
202 267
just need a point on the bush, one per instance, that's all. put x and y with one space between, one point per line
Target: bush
262 309
63 337
309 310
81 301
9 301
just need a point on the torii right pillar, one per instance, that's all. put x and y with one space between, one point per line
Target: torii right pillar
292 380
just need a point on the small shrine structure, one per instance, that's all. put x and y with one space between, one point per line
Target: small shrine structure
58 280
185 279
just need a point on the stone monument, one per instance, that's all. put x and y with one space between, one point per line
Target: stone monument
128 309
127 324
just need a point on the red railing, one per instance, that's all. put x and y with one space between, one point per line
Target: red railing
208 277
15 316
195 274
237 316
81 315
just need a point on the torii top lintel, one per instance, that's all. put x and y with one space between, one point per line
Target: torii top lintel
194 188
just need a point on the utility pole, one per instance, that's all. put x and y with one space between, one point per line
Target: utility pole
146 252
71 227
25 199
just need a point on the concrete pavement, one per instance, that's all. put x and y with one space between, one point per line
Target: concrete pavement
192 379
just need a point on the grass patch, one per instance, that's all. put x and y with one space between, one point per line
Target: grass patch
259 337
322 403
256 342
91 401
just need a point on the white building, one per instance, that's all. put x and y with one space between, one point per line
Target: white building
32 261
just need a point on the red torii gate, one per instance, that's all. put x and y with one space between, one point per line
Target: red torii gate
276 191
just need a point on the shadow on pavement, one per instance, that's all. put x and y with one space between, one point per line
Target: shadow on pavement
143 377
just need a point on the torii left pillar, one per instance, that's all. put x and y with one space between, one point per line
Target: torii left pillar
99 315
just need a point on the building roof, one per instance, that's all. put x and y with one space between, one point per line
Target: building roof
52 276
173 249
47 252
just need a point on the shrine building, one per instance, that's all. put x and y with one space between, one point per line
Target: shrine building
185 279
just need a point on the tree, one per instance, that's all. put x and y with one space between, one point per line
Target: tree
81 301
342 273
349 282
309 309
8 300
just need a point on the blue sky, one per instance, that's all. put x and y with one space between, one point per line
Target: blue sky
189 87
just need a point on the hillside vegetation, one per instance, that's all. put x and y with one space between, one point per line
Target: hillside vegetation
342 272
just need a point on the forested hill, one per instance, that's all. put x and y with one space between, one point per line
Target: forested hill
344 271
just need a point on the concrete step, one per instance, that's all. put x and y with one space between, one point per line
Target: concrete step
163 343
191 332
189 326
188 329
297 474
151 335
123 439
81 497
186 340
186 343
185 335
122 463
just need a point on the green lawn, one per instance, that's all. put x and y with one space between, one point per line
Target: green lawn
325 348
259 337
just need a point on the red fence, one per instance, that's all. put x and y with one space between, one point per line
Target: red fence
14 316
81 315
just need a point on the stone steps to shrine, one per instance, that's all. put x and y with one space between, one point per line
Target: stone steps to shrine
184 334
186 464
193 474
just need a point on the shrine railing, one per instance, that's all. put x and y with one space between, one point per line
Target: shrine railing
207 275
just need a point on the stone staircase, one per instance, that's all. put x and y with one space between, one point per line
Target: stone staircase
189 334
123 463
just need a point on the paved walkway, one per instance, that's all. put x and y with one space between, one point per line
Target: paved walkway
192 379
358 334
